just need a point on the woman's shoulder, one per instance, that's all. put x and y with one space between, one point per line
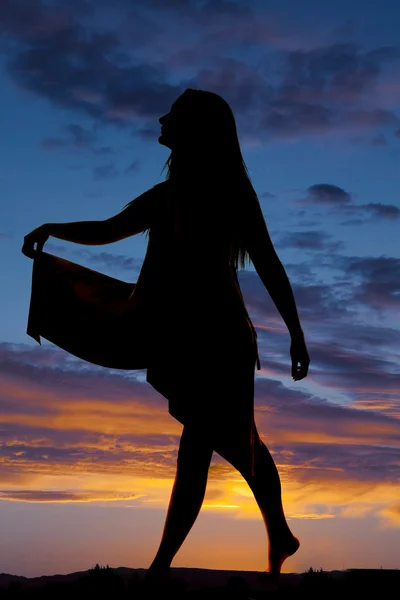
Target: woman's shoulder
163 186
162 190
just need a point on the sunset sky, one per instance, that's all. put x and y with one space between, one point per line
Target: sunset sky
87 454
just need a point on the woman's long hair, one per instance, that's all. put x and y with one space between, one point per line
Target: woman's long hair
207 171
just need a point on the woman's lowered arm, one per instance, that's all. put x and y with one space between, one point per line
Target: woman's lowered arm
272 272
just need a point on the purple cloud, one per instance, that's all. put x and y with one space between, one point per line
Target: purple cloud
267 195
53 496
112 261
379 140
105 172
327 193
380 281
384 211
310 240
78 138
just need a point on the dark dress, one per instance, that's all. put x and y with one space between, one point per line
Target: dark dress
184 320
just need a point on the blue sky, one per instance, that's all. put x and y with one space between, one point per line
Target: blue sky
315 90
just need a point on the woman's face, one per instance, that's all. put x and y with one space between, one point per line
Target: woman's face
178 126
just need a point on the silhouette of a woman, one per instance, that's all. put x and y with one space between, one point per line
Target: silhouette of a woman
201 347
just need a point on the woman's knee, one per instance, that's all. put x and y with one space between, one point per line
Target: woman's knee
238 446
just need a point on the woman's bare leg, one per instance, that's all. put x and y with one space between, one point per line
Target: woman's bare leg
234 446
194 458
187 496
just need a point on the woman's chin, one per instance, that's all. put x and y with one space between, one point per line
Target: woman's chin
162 140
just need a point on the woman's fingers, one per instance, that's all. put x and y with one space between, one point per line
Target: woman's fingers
38 236
27 247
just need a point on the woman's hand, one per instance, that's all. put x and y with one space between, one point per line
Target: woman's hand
299 354
38 236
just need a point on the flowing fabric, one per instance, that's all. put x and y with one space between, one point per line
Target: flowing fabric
86 313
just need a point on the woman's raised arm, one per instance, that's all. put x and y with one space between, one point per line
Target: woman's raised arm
135 218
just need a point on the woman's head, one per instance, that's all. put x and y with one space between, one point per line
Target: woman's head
199 123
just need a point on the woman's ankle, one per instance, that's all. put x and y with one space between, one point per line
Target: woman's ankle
280 536
160 564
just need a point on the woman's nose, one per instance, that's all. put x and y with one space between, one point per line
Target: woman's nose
165 119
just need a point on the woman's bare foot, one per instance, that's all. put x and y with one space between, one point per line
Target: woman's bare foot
279 552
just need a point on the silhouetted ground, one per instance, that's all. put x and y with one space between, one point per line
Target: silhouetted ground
196 584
